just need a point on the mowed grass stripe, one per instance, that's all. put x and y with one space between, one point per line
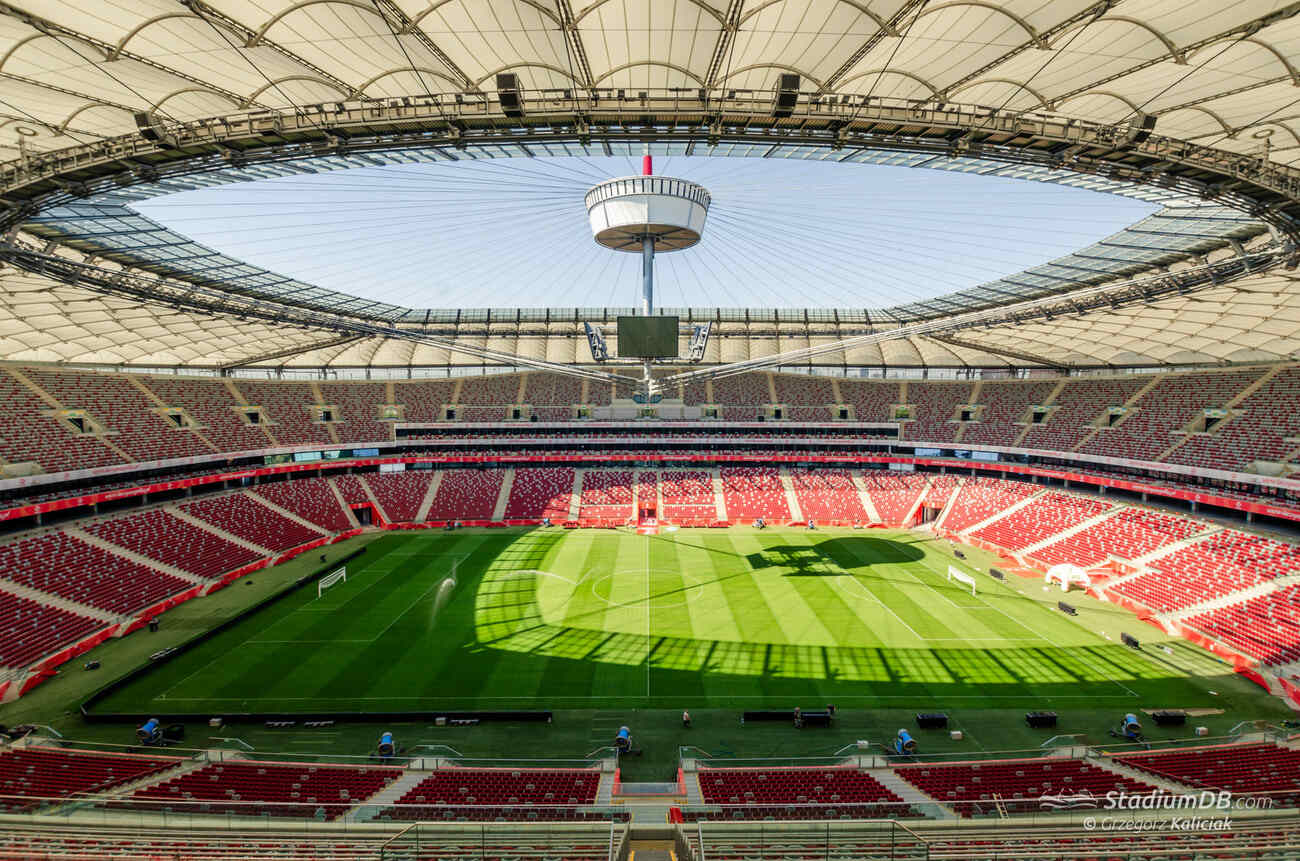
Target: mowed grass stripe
709 613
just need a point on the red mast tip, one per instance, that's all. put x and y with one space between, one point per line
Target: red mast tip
647 165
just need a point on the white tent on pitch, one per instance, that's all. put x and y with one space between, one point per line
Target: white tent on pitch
1068 574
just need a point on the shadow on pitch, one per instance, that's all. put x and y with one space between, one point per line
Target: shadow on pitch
835 556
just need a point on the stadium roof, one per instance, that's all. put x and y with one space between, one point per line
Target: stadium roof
102 103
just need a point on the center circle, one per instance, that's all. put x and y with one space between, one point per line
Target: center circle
628 587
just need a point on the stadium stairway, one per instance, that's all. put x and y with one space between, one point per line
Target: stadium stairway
422 513
867 505
913 512
1011 509
1275 585
1169 549
1138 775
175 511
948 506
503 498
286 513
55 601
719 501
81 535
347 509
374 500
605 789
931 807
791 498
366 809
575 502
1071 531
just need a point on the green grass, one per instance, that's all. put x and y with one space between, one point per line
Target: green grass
699 619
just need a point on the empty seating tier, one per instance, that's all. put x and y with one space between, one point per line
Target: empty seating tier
241 516
467 494
46 772
1251 769
935 408
607 495
893 494
798 793
400 494
980 499
33 630
1018 786
162 536
75 570
309 498
1045 516
828 495
1129 534
688 496
538 493
750 492
267 789
452 793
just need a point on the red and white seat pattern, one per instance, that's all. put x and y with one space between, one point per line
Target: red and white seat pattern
356 414
1080 404
893 494
310 499
466 494
1005 404
979 499
541 388
1170 405
1271 416
47 772
74 570
1129 534
123 410
423 401
942 488
798 793
607 495
1216 566
750 492
267 789
287 408
1042 518
935 407
688 496
400 494
489 390
542 492
741 396
970 788
871 400
1246 770
828 495
210 403
29 435
807 398
245 518
160 535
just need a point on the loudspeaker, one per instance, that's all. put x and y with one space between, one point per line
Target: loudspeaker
932 720
997 574
512 103
1067 608
1169 718
150 129
1142 128
1041 720
787 95
1130 640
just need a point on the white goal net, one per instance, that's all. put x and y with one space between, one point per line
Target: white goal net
962 577
339 576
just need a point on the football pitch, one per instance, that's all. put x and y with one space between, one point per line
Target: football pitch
588 619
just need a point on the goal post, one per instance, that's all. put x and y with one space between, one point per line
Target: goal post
339 576
955 573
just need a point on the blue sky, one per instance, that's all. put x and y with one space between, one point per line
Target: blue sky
781 233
